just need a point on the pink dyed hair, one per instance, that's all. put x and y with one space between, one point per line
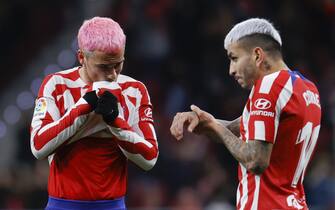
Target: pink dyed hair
101 34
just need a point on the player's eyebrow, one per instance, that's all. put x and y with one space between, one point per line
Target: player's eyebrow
109 64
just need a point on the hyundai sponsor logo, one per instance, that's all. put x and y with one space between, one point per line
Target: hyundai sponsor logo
262 103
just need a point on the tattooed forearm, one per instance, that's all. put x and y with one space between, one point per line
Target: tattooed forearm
254 155
238 148
233 126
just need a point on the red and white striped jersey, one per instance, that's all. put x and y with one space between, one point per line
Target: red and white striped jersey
87 157
283 109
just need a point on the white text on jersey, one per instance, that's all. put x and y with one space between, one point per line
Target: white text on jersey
311 98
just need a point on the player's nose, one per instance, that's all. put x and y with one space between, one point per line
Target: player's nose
232 71
112 75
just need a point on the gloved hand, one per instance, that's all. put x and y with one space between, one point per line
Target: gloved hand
107 107
91 98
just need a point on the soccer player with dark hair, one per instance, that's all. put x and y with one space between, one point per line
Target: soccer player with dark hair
89 120
275 137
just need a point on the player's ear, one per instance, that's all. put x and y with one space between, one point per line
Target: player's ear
80 56
259 56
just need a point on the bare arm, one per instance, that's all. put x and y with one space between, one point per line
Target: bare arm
254 155
233 126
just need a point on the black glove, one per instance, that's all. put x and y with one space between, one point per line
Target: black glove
91 98
107 107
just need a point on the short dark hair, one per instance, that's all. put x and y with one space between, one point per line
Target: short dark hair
264 41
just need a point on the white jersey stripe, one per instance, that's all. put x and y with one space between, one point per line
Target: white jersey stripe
238 194
48 126
256 193
124 78
49 147
245 119
105 84
267 82
133 108
259 130
68 71
282 100
140 160
52 109
129 136
59 80
68 99
244 182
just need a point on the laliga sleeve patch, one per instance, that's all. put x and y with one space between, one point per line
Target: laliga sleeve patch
40 108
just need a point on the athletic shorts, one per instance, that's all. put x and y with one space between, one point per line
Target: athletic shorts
63 204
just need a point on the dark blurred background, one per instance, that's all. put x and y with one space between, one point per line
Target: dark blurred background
176 49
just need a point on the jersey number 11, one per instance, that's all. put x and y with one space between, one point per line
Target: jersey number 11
309 137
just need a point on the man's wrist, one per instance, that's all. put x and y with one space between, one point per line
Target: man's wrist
214 129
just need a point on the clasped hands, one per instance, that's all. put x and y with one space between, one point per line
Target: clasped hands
104 103
195 121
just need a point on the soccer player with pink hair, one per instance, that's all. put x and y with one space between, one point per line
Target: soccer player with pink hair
90 120
275 137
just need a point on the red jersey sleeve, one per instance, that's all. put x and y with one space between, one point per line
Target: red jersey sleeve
49 130
138 140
